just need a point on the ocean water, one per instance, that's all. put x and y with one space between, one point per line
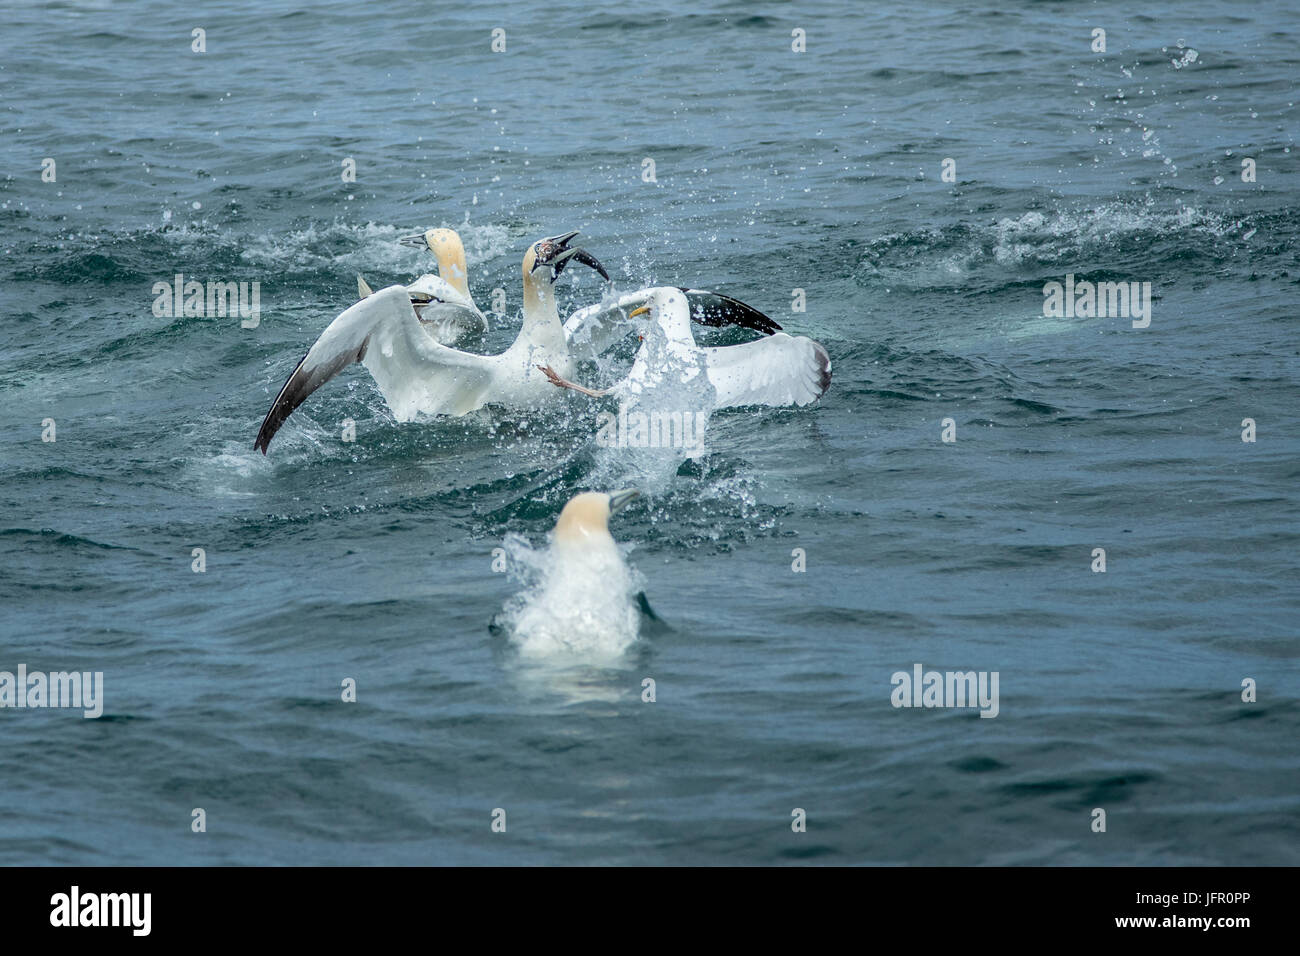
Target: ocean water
775 170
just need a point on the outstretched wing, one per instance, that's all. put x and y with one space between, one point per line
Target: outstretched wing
777 370
717 310
447 313
596 328
415 373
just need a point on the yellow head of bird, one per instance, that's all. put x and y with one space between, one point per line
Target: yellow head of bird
585 519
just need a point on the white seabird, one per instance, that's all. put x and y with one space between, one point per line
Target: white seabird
449 251
584 600
417 374
593 329
778 370
442 302
383 332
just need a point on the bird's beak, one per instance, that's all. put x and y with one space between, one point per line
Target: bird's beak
561 258
634 313
417 241
620 499
588 260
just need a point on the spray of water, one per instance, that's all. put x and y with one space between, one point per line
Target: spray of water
576 605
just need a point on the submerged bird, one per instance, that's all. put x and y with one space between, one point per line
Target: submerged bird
584 600
442 302
779 369
417 374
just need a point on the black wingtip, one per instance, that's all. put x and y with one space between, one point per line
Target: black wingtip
275 417
265 434
297 387
283 406
718 310
824 363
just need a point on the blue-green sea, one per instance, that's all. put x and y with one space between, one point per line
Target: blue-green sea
1163 691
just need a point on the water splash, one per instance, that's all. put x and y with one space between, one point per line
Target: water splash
576 606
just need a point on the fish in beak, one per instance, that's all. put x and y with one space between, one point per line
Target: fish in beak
556 253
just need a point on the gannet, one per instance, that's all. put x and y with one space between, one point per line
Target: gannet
779 369
583 525
593 329
417 374
442 302
417 379
583 601
449 251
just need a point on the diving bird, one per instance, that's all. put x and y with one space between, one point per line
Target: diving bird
442 302
418 374
779 369
584 600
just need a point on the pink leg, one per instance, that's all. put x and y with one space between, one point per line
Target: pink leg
565 383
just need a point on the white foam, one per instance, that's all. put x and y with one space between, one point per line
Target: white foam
1034 239
348 247
578 605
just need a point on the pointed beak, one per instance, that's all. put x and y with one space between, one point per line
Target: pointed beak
416 241
642 310
620 499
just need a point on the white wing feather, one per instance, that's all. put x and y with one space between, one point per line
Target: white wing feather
415 373
451 315
776 370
